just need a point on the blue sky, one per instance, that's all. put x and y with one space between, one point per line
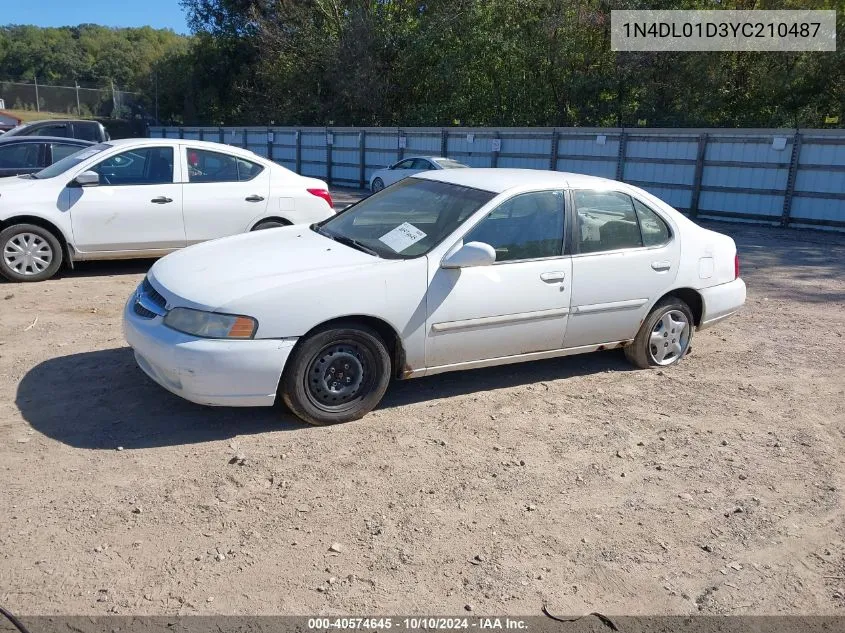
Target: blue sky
155 13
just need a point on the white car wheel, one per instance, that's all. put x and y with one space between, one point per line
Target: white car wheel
29 253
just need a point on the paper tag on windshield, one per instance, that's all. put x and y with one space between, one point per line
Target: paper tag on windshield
402 237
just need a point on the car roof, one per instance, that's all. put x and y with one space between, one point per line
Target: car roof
426 157
498 180
44 139
48 121
216 147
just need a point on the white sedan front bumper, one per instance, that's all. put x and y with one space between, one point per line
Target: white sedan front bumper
206 371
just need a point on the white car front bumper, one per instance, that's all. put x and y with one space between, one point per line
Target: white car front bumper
206 371
721 301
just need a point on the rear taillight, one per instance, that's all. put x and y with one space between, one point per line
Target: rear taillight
736 266
324 194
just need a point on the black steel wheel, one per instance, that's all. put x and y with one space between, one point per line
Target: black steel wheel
336 375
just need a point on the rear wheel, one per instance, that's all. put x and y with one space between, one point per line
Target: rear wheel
338 374
29 253
665 335
378 185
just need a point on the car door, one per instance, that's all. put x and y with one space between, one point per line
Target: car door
21 158
518 305
137 206
625 257
222 193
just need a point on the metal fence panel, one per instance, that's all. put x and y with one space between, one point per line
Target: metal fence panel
788 177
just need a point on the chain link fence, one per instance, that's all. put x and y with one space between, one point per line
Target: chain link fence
73 100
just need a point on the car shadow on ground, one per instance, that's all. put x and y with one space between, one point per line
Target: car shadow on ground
461 383
107 268
101 400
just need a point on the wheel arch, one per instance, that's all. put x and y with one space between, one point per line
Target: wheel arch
692 298
272 218
67 248
387 332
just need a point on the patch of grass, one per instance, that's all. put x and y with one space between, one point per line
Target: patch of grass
32 115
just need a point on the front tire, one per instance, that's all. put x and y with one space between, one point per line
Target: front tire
665 336
29 253
337 374
378 185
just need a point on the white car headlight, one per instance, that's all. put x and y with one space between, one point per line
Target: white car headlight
211 324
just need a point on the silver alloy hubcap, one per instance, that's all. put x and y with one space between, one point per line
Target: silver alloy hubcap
378 185
27 253
669 338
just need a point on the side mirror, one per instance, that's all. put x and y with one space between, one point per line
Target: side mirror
87 179
469 255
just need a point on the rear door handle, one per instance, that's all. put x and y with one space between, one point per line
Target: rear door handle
553 277
161 200
664 265
254 198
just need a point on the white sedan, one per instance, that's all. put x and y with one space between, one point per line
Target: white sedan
447 270
145 198
408 167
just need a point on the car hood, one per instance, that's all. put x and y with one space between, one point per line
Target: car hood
215 274
15 183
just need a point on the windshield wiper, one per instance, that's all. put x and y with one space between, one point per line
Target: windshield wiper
353 243
342 239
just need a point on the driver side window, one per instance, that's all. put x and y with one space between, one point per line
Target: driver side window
143 166
404 164
528 226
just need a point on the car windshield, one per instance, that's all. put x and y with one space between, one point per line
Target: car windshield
407 219
448 163
68 162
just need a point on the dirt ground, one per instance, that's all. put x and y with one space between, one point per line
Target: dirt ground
712 487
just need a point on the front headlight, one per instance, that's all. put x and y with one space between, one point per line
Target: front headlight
211 324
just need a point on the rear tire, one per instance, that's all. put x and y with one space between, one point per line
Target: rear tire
664 337
378 185
29 252
337 374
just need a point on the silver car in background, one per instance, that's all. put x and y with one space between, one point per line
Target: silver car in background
408 167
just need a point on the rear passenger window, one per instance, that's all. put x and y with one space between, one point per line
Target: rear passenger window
205 166
87 131
606 221
63 150
655 231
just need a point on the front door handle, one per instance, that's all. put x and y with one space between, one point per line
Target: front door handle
659 266
254 198
161 200
553 277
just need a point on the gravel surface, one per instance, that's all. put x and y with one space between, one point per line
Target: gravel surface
711 487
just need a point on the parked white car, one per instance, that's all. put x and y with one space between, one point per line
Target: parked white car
408 167
145 198
447 270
